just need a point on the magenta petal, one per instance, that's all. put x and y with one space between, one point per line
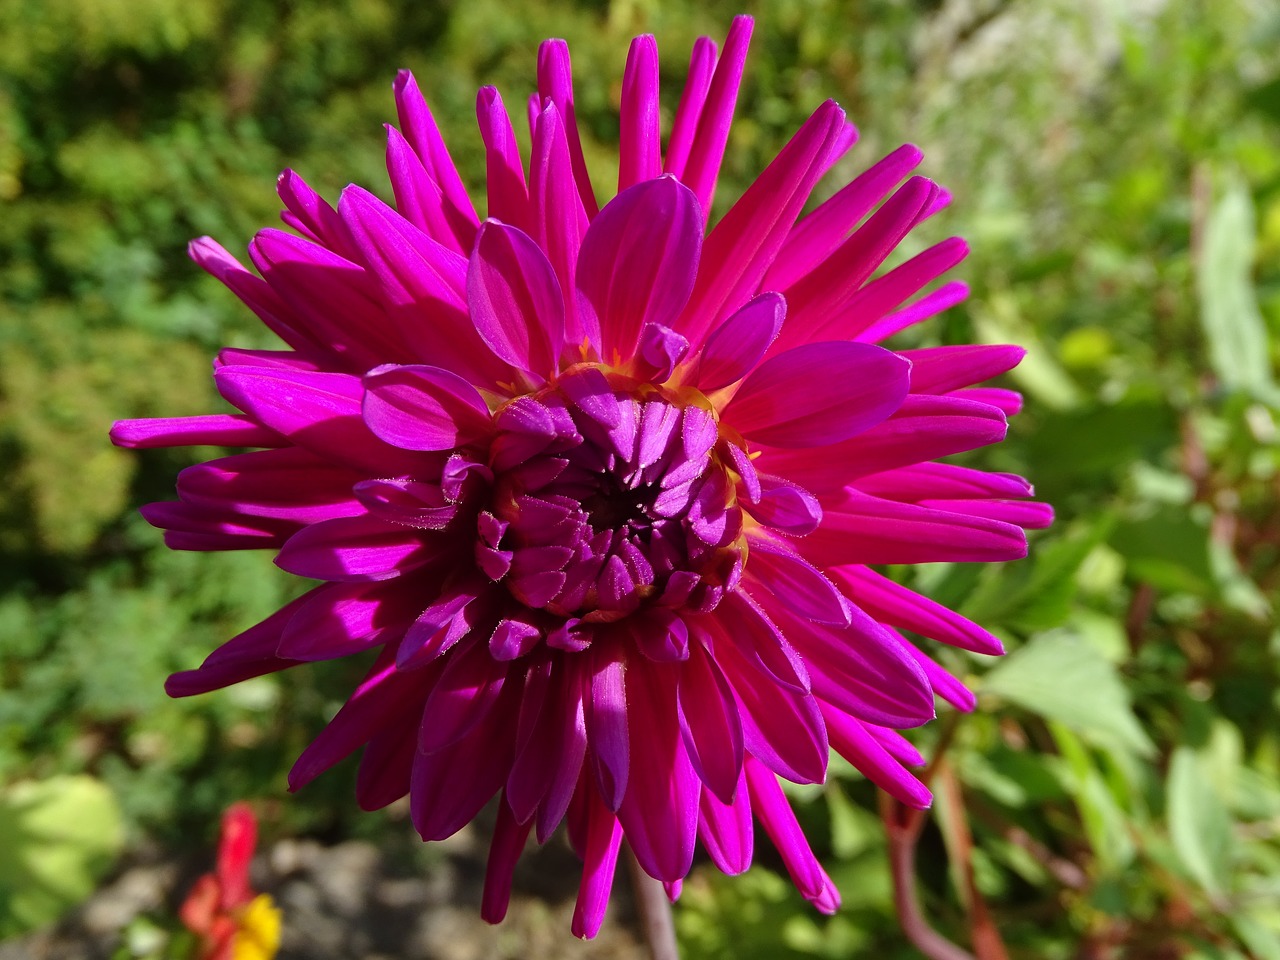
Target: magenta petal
555 83
255 293
387 761
640 135
716 115
381 695
559 219
409 503
332 299
508 195
311 214
660 349
736 346
898 606
421 131
864 668
819 233
702 64
818 394
785 506
779 821
1007 401
923 428
728 830
248 654
551 741
467 690
743 244
355 548
217 429
638 262
1028 514
449 787
740 621
512 639
607 728
852 740
797 584
862 529
504 850
288 484
412 266
201 527
416 277
416 407
874 301
780 726
943 369
660 810
820 296
943 481
566 725
658 633
949 688
418 198
340 619
709 723
319 412
515 299
437 628
599 859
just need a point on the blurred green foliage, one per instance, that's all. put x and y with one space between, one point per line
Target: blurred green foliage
1116 168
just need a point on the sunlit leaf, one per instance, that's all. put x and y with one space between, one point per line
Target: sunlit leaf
1233 325
1198 822
1062 677
57 837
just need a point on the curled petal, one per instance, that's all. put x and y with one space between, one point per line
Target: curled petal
515 299
736 346
638 262
355 548
416 407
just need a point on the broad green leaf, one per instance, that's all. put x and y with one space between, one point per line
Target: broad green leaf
1198 821
1233 324
1062 677
57 837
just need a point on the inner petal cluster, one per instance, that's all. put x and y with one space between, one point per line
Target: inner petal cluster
608 496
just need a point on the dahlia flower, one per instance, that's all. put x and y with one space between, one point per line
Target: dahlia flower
603 486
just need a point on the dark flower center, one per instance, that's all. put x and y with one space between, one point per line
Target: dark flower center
608 497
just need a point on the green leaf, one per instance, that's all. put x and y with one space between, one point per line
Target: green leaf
1233 324
57 837
1104 820
1262 939
1062 677
1169 548
1198 821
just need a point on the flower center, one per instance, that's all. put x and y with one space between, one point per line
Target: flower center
609 495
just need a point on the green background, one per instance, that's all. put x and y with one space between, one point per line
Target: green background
1116 169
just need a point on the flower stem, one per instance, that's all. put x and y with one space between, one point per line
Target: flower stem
655 911
902 827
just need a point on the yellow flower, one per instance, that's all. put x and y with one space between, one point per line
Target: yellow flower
258 937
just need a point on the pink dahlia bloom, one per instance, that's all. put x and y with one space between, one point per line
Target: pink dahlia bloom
602 487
